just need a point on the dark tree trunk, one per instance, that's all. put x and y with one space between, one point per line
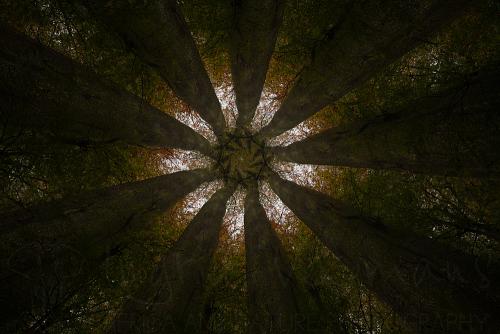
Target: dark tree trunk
273 295
252 43
487 230
464 225
435 289
102 213
158 34
85 229
371 35
170 300
455 133
44 90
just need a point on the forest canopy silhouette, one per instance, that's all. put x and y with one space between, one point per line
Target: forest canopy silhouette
240 166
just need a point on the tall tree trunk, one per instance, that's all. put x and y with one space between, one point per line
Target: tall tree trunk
252 43
101 213
454 133
371 35
273 293
158 34
435 289
487 230
86 227
170 300
44 90
464 225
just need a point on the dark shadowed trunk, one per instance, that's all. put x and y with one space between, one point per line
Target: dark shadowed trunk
252 43
464 225
370 36
454 133
103 212
436 289
44 90
158 34
83 230
273 293
170 300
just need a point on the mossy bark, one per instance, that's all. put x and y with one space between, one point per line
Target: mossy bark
372 35
273 293
157 33
253 37
170 300
43 90
434 288
454 133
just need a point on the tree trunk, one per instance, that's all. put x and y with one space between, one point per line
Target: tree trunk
44 90
371 35
170 300
435 289
158 34
454 133
252 43
273 293
488 230
83 230
101 213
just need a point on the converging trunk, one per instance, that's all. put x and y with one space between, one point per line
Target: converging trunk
454 133
170 300
488 230
101 213
371 35
273 294
158 34
252 43
84 230
435 289
43 90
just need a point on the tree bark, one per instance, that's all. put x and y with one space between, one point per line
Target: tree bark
455 133
44 90
273 293
370 36
435 289
83 230
101 213
158 34
488 230
170 300
252 43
